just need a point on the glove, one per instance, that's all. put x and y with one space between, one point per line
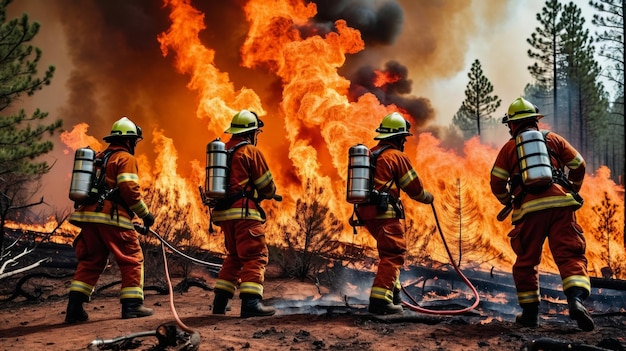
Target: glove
148 220
428 198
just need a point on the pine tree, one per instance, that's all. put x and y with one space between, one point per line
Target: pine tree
21 136
545 49
610 18
479 103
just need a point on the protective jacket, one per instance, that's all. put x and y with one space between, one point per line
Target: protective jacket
506 168
124 203
250 181
109 230
393 173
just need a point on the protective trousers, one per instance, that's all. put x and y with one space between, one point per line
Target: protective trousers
391 245
93 246
567 244
247 254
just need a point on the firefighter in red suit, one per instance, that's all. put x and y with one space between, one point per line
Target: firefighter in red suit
547 213
393 172
106 228
242 220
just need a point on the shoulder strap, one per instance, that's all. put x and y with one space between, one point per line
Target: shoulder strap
374 158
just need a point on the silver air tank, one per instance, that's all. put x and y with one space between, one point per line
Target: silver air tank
82 174
216 169
358 190
534 160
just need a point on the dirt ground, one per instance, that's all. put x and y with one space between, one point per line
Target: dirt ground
308 318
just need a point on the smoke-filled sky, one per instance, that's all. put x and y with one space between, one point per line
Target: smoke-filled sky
109 62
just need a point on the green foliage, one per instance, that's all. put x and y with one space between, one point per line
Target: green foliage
21 136
479 103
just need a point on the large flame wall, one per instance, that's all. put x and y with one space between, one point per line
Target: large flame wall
291 71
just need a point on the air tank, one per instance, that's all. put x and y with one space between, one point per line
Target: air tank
359 175
534 160
82 174
216 180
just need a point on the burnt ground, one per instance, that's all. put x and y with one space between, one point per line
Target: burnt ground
310 317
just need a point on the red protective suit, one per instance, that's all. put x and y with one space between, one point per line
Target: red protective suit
393 173
110 230
243 221
548 214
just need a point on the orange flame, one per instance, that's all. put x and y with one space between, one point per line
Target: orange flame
383 78
312 127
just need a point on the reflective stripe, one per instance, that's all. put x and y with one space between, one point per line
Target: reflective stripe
528 296
576 162
577 281
225 285
263 180
101 218
251 288
133 292
81 287
237 213
542 204
127 177
410 176
140 208
381 294
500 173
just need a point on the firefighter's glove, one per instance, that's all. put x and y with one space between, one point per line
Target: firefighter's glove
148 220
428 198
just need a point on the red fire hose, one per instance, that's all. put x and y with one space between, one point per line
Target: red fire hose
415 307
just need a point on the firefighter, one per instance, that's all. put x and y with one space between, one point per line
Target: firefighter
242 220
393 172
540 214
106 228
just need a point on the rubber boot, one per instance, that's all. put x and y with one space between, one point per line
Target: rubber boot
382 307
578 312
75 312
134 308
221 301
397 298
529 316
251 306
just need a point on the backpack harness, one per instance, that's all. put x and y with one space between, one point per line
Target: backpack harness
226 202
382 198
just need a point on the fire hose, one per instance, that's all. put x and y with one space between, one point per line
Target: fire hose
415 307
166 335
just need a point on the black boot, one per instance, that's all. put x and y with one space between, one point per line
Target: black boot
382 307
75 312
251 306
529 315
578 312
221 302
134 308
397 298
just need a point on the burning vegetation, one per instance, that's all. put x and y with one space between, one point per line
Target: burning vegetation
293 68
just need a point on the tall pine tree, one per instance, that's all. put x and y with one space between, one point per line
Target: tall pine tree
610 19
545 49
21 136
479 103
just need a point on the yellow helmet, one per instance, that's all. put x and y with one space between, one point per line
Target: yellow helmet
521 109
124 128
244 121
393 125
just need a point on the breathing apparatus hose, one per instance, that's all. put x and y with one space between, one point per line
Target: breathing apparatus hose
415 307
